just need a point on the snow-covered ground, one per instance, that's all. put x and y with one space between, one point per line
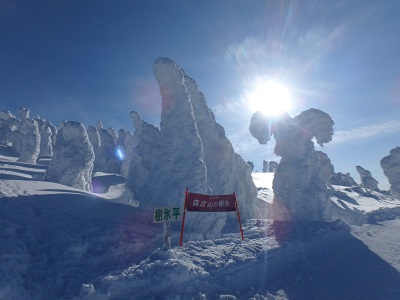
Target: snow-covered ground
57 242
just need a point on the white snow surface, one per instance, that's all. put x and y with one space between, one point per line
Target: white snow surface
59 242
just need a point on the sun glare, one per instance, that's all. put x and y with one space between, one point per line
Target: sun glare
271 97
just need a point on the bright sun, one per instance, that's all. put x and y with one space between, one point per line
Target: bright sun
271 97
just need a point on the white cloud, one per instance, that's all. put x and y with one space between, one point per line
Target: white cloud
275 53
366 132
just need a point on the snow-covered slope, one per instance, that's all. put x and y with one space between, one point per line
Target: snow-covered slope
58 242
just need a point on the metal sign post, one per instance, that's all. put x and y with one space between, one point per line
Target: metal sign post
167 235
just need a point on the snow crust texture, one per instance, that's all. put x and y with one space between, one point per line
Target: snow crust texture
391 168
72 162
299 184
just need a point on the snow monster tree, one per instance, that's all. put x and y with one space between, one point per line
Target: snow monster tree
300 192
391 168
73 157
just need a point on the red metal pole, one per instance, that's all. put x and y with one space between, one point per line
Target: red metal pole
238 214
183 218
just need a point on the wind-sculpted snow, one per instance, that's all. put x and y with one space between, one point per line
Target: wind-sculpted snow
391 168
72 161
367 181
194 145
299 186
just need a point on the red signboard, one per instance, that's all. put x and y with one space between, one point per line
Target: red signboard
214 203
206 203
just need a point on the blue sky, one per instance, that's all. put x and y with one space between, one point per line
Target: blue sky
92 60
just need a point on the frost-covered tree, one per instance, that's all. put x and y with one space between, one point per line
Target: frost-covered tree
10 133
195 146
72 162
113 133
300 191
129 144
107 150
94 138
16 137
30 142
250 163
46 130
5 130
269 166
343 179
23 135
179 132
367 181
146 153
124 147
6 115
226 170
23 113
328 171
103 142
391 168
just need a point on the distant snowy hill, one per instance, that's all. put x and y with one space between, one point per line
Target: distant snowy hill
58 242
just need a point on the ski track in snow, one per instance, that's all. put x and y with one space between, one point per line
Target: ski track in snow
58 242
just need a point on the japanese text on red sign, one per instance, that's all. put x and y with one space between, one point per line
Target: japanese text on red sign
199 202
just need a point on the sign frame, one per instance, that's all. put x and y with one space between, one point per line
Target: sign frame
211 203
